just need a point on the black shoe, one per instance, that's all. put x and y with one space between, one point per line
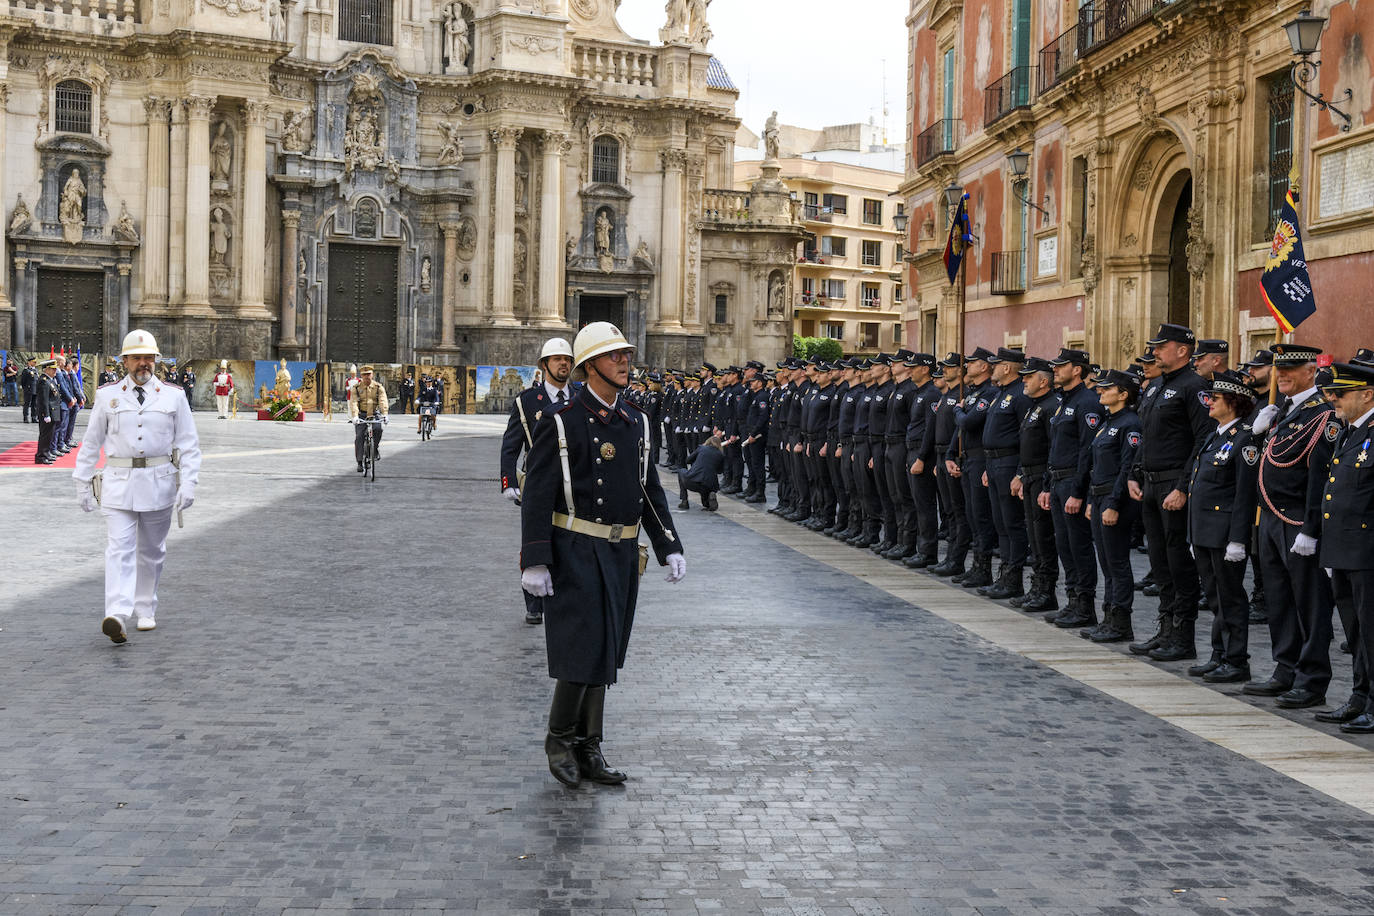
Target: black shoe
1116 625
713 503
1300 698
684 504
756 498
918 561
1258 616
360 467
1008 585
533 617
948 568
1150 591
1360 725
1347 712
1044 600
1165 633
1269 688
1206 667
593 765
1227 673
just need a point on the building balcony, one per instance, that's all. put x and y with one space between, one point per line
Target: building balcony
814 213
813 259
1008 273
939 139
95 17
1103 21
1007 94
724 206
1058 58
614 64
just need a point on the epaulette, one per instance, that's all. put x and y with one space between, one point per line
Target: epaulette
111 384
632 404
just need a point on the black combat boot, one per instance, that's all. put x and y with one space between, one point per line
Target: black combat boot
868 537
919 560
1045 599
1010 584
1071 597
587 745
564 714
951 566
1182 645
1116 625
1080 613
981 574
1165 633
900 544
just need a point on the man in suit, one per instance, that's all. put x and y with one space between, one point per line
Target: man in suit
152 465
530 408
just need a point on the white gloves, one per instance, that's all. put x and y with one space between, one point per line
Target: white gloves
512 494
677 567
1264 418
87 497
1304 546
1235 552
537 581
185 496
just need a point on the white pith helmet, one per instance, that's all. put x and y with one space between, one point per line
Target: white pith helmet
555 346
139 343
598 339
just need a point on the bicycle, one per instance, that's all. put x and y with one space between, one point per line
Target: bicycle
370 446
426 422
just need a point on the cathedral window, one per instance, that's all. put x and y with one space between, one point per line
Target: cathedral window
606 160
366 21
72 107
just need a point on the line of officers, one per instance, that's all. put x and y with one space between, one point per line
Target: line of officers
1053 464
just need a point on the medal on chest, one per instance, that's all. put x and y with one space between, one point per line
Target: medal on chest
607 450
1224 452
1363 456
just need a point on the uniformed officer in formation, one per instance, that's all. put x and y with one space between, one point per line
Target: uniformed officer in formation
553 391
28 388
589 489
47 408
152 466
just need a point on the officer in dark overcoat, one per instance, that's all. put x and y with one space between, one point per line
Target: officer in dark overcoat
589 488
47 405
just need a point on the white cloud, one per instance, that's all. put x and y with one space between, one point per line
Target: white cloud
816 62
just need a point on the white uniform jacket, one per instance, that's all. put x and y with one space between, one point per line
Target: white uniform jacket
127 429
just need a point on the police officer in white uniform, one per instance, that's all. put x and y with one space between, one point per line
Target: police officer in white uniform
144 425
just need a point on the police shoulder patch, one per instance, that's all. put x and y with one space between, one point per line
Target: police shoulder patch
1133 438
1250 453
982 404
1333 429
1202 398
1092 420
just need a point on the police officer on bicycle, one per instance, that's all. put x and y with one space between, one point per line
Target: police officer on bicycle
368 402
427 398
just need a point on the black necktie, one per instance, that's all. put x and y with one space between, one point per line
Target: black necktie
560 395
139 392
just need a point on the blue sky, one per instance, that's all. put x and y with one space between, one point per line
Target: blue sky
817 62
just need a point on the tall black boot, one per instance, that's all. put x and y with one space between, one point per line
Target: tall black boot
1163 636
1182 645
1116 625
981 574
564 713
1044 599
587 745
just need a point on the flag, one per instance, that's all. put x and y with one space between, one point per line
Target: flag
1285 284
960 237
78 364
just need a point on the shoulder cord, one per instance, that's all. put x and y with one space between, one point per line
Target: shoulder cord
1269 458
563 458
644 480
520 407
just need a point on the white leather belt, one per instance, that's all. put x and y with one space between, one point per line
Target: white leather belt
137 462
613 533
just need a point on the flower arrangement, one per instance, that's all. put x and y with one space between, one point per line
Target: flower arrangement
284 407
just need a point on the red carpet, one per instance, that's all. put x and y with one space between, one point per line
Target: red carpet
21 456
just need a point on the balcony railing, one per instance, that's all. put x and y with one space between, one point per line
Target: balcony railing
724 206
939 139
96 17
1057 58
1103 21
815 213
1008 273
613 64
813 257
1007 94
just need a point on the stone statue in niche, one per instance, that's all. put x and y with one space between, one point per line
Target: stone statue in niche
603 234
522 183
219 238
124 227
451 153
775 297
365 220
221 157
20 218
426 266
71 210
295 136
642 253
278 20
570 249
457 42
467 238
362 141
770 137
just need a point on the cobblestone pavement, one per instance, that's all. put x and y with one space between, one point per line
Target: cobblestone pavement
341 708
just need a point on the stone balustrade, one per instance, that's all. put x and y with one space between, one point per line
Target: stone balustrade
613 64
723 206
96 17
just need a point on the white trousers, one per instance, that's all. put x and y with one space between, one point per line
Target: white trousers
222 405
133 560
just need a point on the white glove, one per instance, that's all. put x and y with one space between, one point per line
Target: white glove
1235 552
677 567
1264 418
87 497
512 494
537 581
1304 546
1328 573
185 497
350 421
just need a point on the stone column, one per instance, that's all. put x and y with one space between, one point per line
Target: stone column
124 268
253 234
550 308
155 226
290 227
176 205
23 334
670 253
5 304
198 203
449 291
503 246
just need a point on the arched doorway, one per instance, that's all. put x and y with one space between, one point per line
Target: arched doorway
1178 310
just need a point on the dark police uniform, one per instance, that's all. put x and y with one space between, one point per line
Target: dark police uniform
832 462
1072 427
781 406
897 467
924 521
970 416
1002 452
48 408
815 421
1111 455
942 435
800 505
852 523
28 381
1034 442
879 408
756 423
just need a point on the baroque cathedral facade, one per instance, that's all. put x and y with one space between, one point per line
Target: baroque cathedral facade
379 180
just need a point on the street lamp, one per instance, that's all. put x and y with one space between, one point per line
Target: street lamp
899 220
953 194
1020 164
1304 36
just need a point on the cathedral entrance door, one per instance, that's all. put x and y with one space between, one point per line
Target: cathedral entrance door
71 310
601 308
361 306
1180 280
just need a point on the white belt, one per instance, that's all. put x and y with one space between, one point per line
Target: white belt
613 533
137 462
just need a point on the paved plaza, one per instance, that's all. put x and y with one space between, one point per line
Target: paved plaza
342 709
